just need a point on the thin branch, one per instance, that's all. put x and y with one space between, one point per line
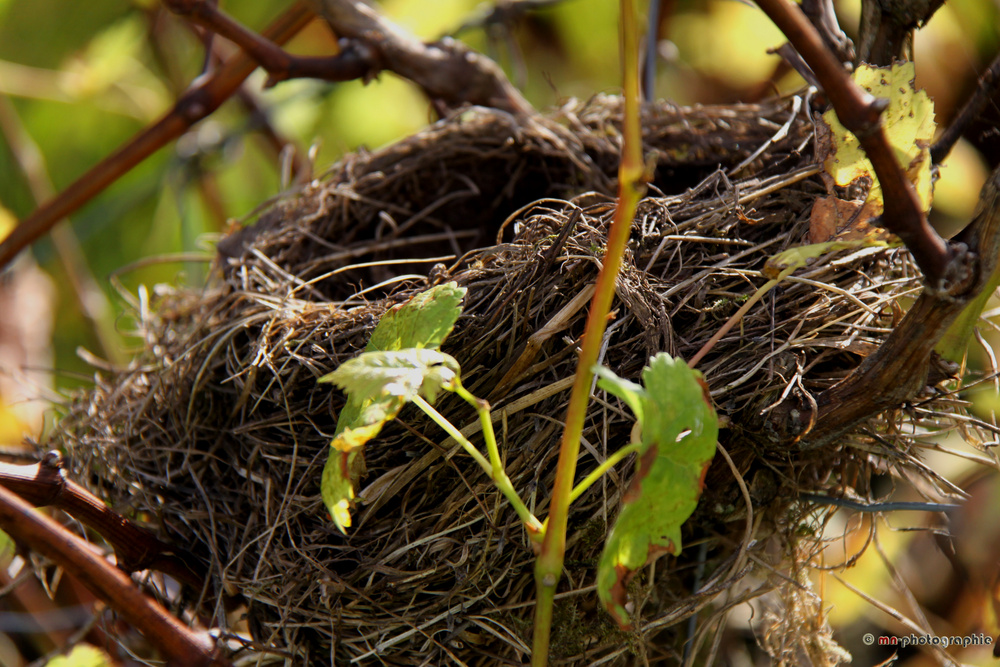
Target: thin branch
201 100
351 63
943 267
824 18
180 644
45 485
987 87
447 70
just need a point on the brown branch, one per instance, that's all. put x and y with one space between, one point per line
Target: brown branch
198 102
886 28
447 70
45 484
943 267
898 370
259 120
181 645
353 62
985 90
823 17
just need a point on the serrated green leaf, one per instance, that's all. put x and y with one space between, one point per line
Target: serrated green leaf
679 431
909 126
400 361
424 321
400 373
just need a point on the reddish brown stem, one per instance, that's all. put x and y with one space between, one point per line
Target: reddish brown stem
197 103
353 62
180 644
447 71
46 484
861 114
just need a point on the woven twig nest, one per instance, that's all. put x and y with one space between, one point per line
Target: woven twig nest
218 433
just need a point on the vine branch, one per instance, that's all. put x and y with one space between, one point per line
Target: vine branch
945 268
985 89
204 97
181 645
45 484
898 370
446 70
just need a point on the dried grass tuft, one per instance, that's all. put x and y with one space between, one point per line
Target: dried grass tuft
217 434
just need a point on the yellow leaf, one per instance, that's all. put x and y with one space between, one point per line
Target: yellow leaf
7 222
909 126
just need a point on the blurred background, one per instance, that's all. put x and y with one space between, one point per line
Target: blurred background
78 80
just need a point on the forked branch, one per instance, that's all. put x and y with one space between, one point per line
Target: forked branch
898 370
450 73
945 268
179 644
447 71
45 485
204 97
955 273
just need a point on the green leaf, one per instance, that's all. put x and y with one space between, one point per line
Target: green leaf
397 373
400 361
909 126
423 321
955 341
679 431
337 486
787 261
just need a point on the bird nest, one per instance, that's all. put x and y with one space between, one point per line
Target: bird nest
217 434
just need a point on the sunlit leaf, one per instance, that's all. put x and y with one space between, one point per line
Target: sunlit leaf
7 222
795 258
400 361
424 321
909 126
396 373
679 429
337 485
82 655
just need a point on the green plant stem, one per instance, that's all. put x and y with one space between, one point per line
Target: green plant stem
548 566
483 408
608 464
501 480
